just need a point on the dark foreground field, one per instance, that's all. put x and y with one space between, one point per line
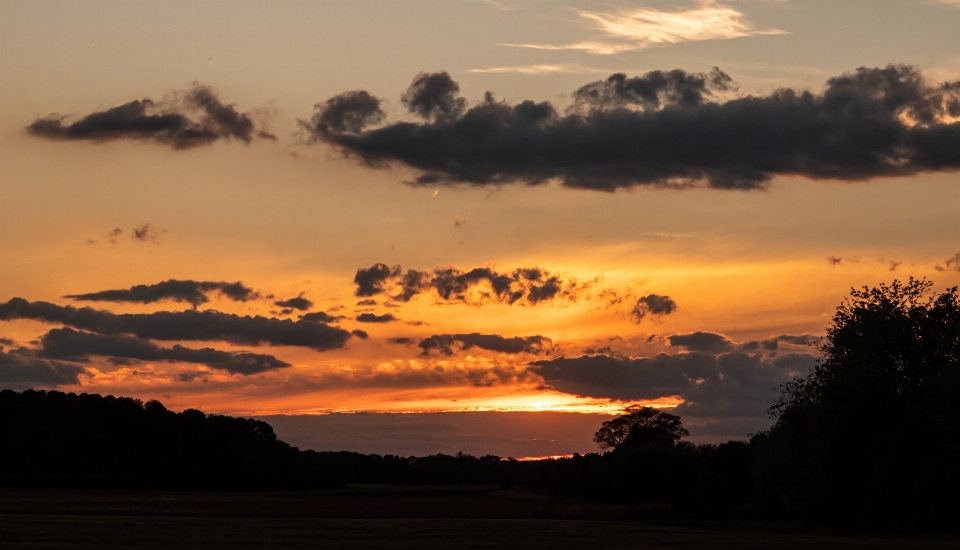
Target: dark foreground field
379 517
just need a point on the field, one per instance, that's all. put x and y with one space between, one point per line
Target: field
379 517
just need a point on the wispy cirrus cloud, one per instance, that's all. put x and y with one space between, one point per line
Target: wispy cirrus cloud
633 29
562 68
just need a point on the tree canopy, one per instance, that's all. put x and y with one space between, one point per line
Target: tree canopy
873 432
640 426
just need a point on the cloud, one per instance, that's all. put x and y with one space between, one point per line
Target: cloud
671 129
652 91
771 344
320 317
799 339
112 236
194 293
433 96
652 304
633 29
702 341
146 232
192 118
569 68
71 345
528 286
836 261
191 376
952 264
183 325
299 303
724 384
347 112
446 343
373 318
417 374
373 280
22 369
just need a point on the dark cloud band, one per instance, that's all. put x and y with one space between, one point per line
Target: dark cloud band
21 369
320 317
191 292
299 303
528 286
184 325
702 341
374 318
660 129
710 342
711 384
72 345
196 117
446 344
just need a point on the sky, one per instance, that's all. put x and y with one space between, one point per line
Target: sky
413 227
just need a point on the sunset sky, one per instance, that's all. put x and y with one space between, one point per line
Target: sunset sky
547 209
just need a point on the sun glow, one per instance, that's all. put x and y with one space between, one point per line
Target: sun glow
557 402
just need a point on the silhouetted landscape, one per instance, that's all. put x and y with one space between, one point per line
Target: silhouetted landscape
479 274
869 440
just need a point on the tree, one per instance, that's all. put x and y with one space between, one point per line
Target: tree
640 426
873 432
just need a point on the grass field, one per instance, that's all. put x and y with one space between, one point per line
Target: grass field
381 517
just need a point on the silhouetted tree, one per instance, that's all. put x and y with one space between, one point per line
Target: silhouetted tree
64 439
640 426
56 439
873 433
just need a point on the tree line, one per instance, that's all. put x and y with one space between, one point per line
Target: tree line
870 436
